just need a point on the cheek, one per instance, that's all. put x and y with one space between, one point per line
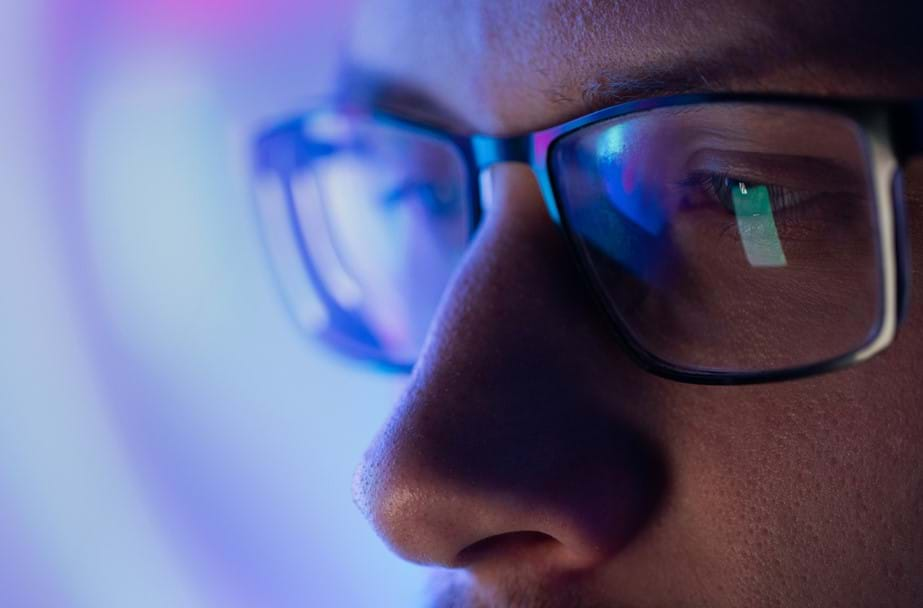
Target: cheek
808 492
842 476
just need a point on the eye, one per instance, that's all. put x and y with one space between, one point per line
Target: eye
437 199
746 197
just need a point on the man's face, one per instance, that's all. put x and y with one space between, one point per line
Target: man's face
528 454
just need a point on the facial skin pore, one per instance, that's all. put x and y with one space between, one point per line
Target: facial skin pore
528 454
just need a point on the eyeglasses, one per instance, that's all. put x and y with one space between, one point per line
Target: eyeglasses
731 239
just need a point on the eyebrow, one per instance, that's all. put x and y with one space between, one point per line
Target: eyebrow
359 84
612 89
703 73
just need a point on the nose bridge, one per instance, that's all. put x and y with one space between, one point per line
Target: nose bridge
501 431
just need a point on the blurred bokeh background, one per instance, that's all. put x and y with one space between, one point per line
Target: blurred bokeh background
167 438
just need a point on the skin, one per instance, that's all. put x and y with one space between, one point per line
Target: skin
528 458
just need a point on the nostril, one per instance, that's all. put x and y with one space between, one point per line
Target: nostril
508 547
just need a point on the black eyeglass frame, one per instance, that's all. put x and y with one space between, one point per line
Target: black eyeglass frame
893 133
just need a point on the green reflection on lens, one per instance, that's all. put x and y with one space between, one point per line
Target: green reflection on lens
753 207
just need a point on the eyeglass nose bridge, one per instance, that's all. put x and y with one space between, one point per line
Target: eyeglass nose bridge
531 150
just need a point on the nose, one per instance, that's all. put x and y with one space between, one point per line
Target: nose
511 444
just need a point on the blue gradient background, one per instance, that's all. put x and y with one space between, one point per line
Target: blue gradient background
167 438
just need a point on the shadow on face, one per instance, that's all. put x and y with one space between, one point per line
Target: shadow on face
530 451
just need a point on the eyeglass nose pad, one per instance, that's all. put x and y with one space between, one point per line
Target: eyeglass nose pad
486 181
487 196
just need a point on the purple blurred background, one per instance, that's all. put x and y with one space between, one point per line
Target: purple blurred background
167 437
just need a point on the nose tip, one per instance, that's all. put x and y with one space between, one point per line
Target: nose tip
506 449
530 490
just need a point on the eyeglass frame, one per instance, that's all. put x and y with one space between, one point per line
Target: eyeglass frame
892 131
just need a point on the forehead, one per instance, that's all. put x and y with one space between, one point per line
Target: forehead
511 65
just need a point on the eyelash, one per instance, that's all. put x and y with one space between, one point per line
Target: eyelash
719 186
803 215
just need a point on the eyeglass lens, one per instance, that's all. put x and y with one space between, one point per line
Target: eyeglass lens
384 216
737 237
724 237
